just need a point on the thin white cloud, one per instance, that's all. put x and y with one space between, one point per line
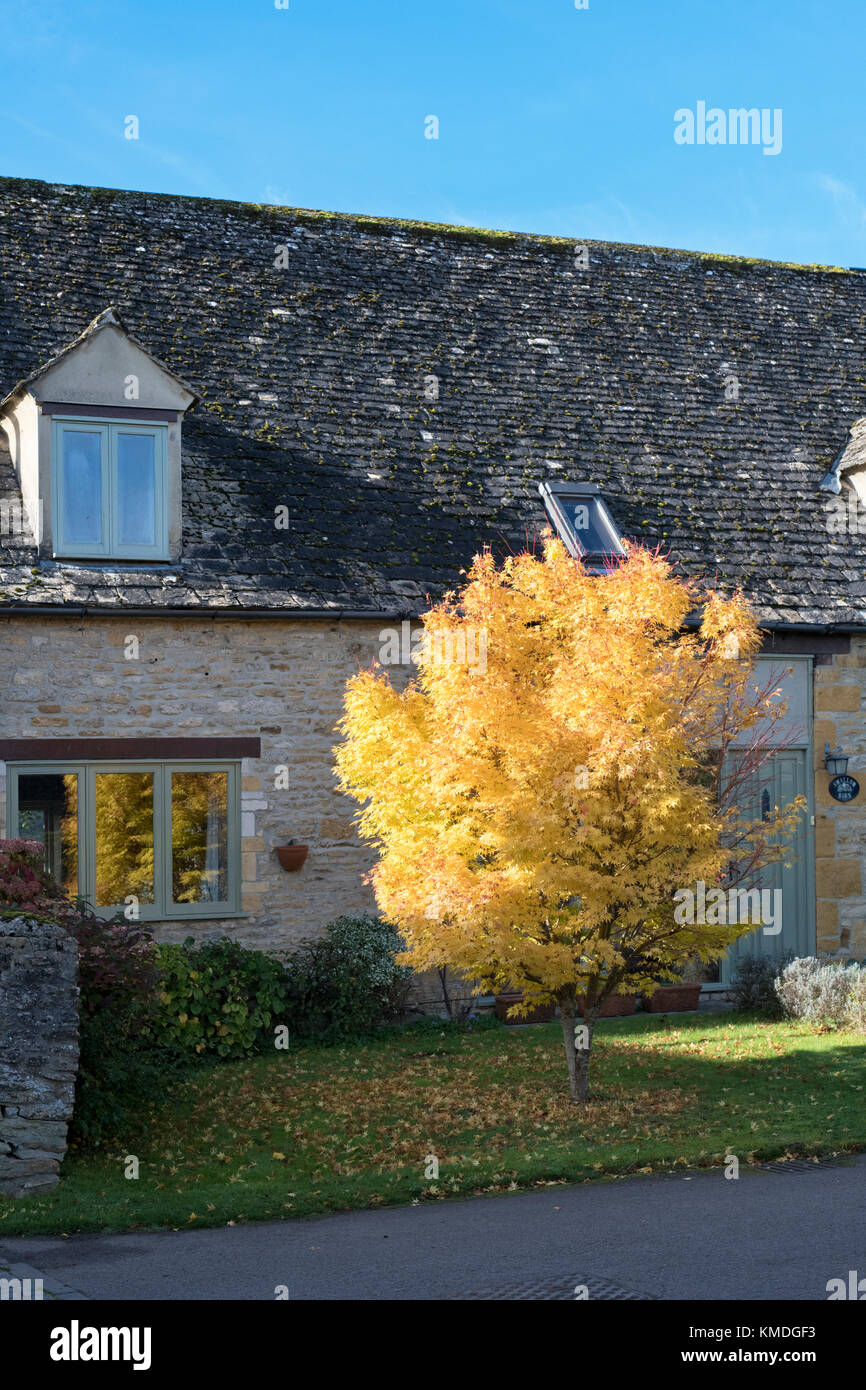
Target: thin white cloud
848 204
278 197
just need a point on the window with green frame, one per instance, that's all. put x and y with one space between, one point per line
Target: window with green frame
109 489
163 838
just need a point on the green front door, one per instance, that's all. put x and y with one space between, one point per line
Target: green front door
780 780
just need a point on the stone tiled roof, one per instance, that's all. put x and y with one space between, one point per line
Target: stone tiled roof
313 392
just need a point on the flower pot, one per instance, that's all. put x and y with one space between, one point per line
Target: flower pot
292 856
541 1013
673 999
615 1005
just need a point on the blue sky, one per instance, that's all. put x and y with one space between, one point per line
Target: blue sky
551 119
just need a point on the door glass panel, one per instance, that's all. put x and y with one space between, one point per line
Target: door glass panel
199 837
48 812
124 837
136 489
82 488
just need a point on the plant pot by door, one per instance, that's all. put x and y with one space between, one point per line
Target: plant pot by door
673 999
541 1013
615 1005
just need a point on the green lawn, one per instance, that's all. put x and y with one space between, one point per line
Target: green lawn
331 1129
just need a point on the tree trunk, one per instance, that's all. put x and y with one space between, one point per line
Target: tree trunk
576 1051
442 972
577 1039
582 1057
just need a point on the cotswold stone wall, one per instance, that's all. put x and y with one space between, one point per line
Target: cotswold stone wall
840 827
38 1051
280 681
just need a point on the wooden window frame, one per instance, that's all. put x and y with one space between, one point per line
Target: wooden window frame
162 909
110 547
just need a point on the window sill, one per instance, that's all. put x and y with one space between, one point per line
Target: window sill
130 562
190 918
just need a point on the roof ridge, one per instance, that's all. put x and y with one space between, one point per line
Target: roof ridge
416 225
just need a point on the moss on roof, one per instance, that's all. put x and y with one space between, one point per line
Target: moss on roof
312 378
384 225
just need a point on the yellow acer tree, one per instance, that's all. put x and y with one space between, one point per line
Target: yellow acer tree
538 808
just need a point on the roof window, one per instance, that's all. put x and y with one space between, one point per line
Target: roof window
582 521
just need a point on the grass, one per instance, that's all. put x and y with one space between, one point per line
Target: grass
333 1129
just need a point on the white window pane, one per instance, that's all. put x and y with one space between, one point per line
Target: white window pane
136 489
82 488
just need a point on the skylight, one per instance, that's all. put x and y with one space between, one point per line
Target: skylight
583 522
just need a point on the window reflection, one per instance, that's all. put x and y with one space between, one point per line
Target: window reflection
48 812
136 489
124 837
82 488
199 837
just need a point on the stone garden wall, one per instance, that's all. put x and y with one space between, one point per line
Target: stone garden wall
38 1051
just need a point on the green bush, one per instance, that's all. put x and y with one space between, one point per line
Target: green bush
146 1011
119 1068
753 986
217 1000
122 1066
348 983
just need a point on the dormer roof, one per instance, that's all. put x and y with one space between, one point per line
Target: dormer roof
108 319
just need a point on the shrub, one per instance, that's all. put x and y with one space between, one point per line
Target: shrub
819 993
26 887
857 1002
217 1000
116 958
119 1066
349 982
754 984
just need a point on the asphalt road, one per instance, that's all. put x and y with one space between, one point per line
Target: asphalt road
764 1235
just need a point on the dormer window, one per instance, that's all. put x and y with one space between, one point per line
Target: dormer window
94 436
583 522
110 495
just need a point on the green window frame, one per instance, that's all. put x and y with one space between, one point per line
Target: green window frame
168 845
111 544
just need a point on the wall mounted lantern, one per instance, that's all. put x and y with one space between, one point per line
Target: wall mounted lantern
842 787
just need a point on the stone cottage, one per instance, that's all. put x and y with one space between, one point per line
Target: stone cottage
242 444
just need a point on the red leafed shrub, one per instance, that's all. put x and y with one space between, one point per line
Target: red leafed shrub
119 1071
25 885
116 958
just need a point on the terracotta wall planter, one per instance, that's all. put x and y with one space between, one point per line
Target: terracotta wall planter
673 999
615 1005
292 856
542 1013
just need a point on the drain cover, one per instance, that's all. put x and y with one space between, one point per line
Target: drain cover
804 1165
559 1290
